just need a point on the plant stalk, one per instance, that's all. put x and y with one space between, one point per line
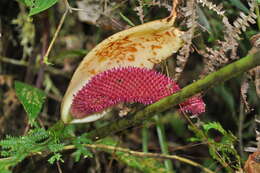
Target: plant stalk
215 78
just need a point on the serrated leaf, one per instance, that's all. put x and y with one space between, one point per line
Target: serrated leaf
81 149
55 147
56 157
214 125
82 152
193 139
38 6
31 98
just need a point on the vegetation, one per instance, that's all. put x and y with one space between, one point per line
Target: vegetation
43 41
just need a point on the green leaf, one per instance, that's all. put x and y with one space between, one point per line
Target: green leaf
82 152
214 125
126 19
41 5
223 150
55 147
81 149
56 157
31 98
28 3
46 61
37 6
240 5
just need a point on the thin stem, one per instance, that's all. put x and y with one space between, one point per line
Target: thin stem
240 128
174 8
163 142
103 147
45 59
145 138
59 168
142 154
13 61
258 16
45 40
50 69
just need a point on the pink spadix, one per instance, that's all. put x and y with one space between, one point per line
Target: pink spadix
128 85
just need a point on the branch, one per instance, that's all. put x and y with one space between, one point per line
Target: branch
113 149
141 154
46 56
50 69
213 79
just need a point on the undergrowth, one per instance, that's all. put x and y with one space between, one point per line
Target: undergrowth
37 73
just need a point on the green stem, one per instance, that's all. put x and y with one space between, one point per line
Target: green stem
210 80
163 142
46 56
258 16
145 138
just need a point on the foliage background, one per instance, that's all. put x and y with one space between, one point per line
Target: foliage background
24 41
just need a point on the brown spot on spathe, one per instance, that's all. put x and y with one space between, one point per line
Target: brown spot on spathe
92 71
131 58
155 47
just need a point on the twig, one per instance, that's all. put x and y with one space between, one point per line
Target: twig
50 69
59 168
142 154
13 61
128 151
240 128
45 40
45 59
174 8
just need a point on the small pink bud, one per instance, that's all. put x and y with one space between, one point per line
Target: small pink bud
128 85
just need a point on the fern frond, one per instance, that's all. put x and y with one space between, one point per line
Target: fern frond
228 47
243 21
140 11
190 13
217 8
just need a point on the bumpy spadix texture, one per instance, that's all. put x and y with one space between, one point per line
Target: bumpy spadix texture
128 85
